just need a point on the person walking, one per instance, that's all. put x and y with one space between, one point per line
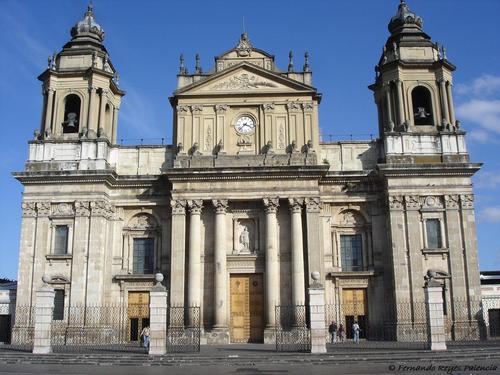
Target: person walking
355 332
333 331
341 332
145 337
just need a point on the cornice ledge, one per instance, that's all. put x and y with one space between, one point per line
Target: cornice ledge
445 169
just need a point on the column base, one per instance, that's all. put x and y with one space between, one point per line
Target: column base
270 335
437 345
218 336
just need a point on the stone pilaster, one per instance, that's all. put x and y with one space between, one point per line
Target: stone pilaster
298 287
42 243
435 319
49 110
80 253
92 123
450 103
388 109
194 265
314 248
102 110
413 224
272 279
401 110
158 317
178 252
220 333
44 308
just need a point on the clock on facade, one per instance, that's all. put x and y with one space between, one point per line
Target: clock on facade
245 125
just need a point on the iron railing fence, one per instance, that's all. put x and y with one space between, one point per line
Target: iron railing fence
183 329
23 329
292 329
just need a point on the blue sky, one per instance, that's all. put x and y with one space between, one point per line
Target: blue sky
344 39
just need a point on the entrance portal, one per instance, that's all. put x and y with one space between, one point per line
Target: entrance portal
247 308
138 314
354 309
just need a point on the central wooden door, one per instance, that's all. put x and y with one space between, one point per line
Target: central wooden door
354 310
247 308
138 314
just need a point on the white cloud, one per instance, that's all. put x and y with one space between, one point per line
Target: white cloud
487 180
482 86
484 113
490 214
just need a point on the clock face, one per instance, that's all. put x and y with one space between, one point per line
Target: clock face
245 124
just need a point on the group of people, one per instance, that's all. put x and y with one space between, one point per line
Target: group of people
338 332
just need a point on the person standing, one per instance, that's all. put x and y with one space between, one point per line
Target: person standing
333 331
355 332
145 337
341 332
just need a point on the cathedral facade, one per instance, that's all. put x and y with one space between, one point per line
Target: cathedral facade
249 204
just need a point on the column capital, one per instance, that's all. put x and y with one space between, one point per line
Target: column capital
195 206
29 209
313 204
395 202
412 202
295 204
102 208
93 89
271 205
467 201
268 107
221 108
82 208
220 205
452 201
178 206
43 208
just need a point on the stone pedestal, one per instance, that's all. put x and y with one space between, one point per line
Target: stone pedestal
436 336
317 319
44 309
158 318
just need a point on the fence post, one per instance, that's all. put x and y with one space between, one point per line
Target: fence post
436 336
317 315
44 309
158 317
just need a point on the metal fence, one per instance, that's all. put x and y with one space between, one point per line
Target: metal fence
183 329
98 328
292 329
23 329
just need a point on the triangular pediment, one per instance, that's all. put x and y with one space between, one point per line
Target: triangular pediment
245 78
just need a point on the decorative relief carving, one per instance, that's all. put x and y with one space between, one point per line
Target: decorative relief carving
412 202
268 107
308 107
351 218
143 222
220 205
281 137
82 208
395 202
221 108
244 81
208 139
102 208
293 106
296 204
467 201
195 206
431 202
29 209
313 204
178 206
43 208
196 108
63 209
182 109
271 205
452 201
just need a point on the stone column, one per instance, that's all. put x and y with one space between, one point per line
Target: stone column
48 110
102 110
178 252
450 104
444 102
44 309
91 124
194 266
158 317
272 279
436 336
220 271
317 315
115 124
390 122
401 110
298 288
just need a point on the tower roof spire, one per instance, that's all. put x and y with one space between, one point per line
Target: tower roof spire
87 27
404 17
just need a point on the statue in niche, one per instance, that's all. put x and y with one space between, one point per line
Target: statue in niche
245 240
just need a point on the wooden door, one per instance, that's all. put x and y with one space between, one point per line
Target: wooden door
354 309
138 313
247 308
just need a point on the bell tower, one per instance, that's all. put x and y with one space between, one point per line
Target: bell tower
80 88
413 80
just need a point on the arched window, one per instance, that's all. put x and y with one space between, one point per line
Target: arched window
422 106
72 105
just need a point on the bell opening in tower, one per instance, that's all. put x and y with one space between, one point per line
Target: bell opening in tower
422 106
71 122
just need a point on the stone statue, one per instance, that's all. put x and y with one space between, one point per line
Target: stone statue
245 239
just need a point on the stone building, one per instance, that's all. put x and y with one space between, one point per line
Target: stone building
249 201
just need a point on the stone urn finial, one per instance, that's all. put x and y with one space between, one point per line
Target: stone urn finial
159 278
45 279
